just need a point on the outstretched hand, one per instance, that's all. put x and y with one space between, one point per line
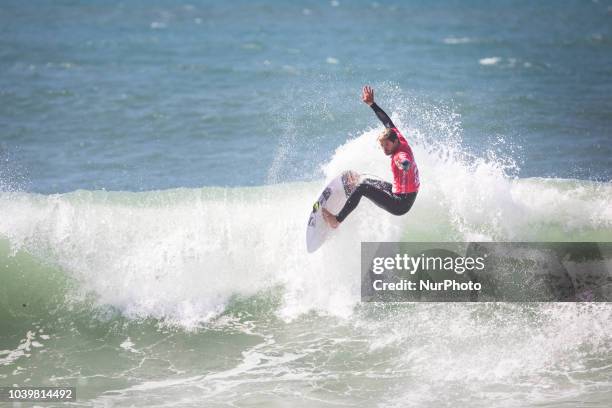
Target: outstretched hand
367 95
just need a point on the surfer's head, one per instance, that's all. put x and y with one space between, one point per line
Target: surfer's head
388 141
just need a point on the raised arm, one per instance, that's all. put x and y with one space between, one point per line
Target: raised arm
367 96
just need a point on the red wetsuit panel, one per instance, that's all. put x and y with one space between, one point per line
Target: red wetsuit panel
404 168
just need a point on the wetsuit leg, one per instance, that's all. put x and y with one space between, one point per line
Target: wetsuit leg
380 193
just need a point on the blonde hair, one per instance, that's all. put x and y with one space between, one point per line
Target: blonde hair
388 134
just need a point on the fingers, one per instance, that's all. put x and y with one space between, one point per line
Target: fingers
367 94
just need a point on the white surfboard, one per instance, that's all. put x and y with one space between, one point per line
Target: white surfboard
332 198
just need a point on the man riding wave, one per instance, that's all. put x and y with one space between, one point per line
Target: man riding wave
396 198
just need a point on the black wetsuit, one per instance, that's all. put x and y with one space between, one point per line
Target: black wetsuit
378 191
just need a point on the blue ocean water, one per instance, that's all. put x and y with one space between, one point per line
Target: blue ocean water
159 160
147 95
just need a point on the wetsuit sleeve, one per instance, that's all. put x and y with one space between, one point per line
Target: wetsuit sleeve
384 118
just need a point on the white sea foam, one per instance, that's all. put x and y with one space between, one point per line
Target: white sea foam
489 61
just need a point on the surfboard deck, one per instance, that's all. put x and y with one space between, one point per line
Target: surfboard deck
333 197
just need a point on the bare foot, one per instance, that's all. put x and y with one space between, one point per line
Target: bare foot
329 218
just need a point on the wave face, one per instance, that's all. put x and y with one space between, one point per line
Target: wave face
181 254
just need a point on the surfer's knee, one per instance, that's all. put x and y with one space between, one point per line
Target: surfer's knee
366 186
360 189
405 205
400 211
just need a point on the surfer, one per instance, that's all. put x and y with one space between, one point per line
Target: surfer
396 198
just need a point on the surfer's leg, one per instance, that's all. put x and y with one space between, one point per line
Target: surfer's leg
396 204
380 193
353 200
